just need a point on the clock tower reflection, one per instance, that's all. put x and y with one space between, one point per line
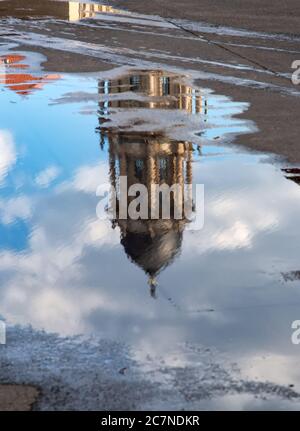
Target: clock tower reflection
149 158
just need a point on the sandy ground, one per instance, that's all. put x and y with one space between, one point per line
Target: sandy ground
17 397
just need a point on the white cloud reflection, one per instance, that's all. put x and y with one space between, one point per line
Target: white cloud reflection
47 176
8 154
14 208
68 271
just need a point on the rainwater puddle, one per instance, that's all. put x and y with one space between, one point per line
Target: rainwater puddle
232 285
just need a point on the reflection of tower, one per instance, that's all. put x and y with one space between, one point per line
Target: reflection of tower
149 159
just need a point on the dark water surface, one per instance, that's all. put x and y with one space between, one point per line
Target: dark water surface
233 285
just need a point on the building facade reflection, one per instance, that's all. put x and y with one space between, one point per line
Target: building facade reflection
14 74
65 10
163 92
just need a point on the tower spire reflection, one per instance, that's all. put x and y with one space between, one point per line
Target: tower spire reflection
149 159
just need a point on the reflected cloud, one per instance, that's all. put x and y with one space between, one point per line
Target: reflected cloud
15 208
47 176
87 178
8 155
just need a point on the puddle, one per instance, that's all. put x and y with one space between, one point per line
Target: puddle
58 9
64 270
13 75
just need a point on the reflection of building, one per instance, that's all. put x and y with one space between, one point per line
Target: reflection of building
150 159
16 78
292 174
87 10
164 91
66 10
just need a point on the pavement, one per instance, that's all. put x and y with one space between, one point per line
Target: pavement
273 16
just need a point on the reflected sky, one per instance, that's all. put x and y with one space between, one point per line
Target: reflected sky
64 270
